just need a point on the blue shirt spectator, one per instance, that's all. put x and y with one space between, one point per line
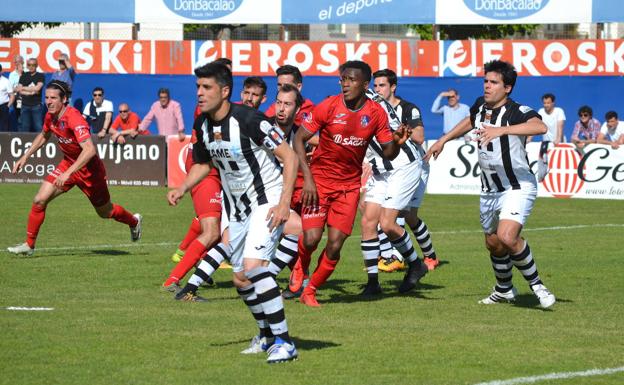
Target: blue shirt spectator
454 112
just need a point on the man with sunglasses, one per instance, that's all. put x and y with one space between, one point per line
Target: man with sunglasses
99 113
454 112
586 129
125 124
29 88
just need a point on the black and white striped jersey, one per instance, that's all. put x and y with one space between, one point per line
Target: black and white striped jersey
504 163
405 112
241 147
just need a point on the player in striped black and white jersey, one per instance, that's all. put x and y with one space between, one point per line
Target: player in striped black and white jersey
244 146
500 125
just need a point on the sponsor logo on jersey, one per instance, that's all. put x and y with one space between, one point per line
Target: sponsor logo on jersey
220 153
505 9
352 141
364 120
340 115
65 140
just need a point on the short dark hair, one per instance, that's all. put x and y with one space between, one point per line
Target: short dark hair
507 71
387 73
611 115
61 86
219 72
548 96
255 81
291 88
453 90
225 61
288 69
358 65
585 110
97 89
164 90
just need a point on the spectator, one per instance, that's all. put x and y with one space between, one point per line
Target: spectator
29 88
125 124
254 92
99 113
65 73
6 99
554 118
168 114
612 131
586 129
14 78
454 112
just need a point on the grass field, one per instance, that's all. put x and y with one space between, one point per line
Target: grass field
112 325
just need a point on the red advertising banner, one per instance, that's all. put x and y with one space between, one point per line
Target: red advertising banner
176 158
450 58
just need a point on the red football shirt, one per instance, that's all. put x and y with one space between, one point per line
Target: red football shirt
131 123
344 136
71 129
306 109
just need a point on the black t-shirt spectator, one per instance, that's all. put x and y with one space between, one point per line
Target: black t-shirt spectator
27 79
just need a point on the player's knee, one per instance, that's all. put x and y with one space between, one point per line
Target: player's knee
311 241
332 249
392 230
40 200
508 239
368 225
240 281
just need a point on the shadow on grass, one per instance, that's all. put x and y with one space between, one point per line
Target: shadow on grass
302 344
110 252
529 301
388 293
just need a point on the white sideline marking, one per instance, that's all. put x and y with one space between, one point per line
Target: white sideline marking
353 236
20 308
554 376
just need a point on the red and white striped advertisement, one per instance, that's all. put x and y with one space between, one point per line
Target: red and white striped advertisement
408 58
598 173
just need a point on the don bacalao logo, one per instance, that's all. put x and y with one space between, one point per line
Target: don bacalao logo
567 171
505 9
203 9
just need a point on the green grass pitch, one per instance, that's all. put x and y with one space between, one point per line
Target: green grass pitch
112 325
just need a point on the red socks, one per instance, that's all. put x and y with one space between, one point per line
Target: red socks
35 220
193 254
122 215
304 254
192 233
325 268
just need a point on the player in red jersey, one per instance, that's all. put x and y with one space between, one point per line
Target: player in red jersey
347 123
205 229
80 167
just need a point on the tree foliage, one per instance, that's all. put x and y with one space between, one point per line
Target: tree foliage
10 29
219 31
464 32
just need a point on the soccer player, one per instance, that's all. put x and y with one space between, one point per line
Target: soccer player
289 74
80 167
243 145
385 84
508 187
254 92
346 124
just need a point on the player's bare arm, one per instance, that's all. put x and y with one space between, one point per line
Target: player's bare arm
459 130
39 141
418 135
197 172
87 153
533 126
280 213
309 195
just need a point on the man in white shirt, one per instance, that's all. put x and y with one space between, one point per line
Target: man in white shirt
6 99
612 131
99 113
14 77
554 118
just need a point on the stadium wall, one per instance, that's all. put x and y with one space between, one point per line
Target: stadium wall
602 93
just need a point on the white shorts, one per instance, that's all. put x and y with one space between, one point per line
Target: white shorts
515 205
251 238
394 189
419 194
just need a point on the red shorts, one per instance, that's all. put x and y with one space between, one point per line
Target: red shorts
91 179
337 208
207 197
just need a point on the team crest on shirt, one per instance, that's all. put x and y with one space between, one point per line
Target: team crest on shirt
307 117
61 126
364 120
415 114
217 133
524 109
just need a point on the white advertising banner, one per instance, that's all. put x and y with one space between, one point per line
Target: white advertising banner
598 173
209 11
513 11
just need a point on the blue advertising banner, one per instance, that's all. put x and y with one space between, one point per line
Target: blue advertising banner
61 11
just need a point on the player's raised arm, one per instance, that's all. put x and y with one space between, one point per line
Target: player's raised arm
198 172
309 195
